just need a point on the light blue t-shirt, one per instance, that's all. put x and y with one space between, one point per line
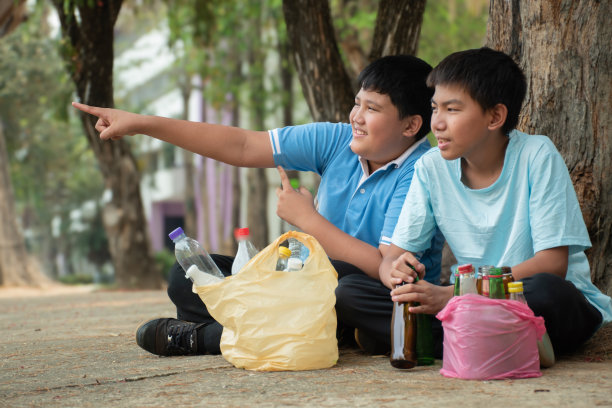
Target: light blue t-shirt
363 206
532 206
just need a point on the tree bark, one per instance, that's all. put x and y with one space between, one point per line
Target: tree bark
88 53
325 82
565 51
190 223
257 209
398 27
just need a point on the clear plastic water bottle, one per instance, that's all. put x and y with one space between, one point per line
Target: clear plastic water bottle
294 263
195 261
246 250
545 348
283 256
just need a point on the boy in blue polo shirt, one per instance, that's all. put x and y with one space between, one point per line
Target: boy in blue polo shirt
365 167
501 197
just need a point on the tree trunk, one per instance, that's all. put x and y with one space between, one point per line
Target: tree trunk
398 27
325 83
15 267
236 171
88 52
565 50
257 209
190 223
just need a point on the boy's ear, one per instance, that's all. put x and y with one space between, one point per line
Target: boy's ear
413 125
498 115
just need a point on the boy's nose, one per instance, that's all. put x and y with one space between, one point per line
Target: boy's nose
436 122
357 116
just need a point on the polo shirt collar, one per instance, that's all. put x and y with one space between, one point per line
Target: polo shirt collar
397 162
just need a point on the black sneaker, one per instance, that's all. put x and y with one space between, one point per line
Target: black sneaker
169 337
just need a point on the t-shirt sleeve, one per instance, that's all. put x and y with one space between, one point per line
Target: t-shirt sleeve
554 213
416 224
308 147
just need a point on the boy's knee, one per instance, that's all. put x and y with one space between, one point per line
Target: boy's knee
544 290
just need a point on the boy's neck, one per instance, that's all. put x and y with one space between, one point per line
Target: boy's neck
483 167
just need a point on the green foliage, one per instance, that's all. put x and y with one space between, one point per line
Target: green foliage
53 170
452 25
164 259
76 279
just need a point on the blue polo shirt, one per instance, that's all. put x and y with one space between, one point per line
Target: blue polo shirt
365 206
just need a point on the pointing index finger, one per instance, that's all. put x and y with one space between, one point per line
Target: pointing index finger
285 182
92 110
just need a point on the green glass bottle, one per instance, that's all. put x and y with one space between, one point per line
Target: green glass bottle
424 340
496 284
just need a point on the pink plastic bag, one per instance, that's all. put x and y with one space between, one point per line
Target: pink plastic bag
490 339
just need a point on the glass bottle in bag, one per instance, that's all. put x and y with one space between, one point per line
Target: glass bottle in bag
467 280
246 249
482 283
496 284
195 261
283 256
507 278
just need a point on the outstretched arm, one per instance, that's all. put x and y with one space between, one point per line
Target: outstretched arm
232 145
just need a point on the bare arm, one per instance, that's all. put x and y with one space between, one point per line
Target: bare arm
232 145
552 260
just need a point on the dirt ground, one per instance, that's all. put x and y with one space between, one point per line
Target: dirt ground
74 347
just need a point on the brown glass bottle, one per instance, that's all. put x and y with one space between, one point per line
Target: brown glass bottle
403 336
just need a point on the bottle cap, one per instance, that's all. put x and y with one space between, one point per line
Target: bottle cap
465 268
515 287
176 233
284 251
484 269
241 232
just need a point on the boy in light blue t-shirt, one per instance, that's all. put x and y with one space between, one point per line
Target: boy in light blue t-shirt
500 197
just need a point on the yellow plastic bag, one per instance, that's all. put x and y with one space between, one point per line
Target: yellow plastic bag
274 320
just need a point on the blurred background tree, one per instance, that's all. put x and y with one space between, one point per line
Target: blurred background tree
239 56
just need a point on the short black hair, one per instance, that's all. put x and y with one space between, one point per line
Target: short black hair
403 78
488 76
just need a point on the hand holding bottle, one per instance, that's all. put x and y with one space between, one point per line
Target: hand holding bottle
405 269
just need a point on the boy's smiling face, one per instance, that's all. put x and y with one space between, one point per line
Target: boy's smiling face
379 136
459 123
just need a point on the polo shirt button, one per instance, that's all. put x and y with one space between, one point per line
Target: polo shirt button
362 191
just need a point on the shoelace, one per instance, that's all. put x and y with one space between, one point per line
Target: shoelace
180 338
